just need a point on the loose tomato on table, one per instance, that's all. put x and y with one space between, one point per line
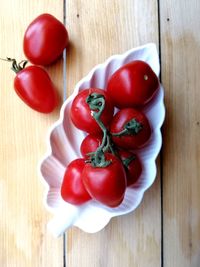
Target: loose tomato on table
133 85
130 129
34 86
73 189
106 181
81 112
44 40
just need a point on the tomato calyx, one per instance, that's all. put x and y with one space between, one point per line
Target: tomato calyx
127 161
132 127
16 67
96 102
99 160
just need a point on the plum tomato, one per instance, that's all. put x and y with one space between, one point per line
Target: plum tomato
90 144
132 85
44 40
106 184
81 113
130 129
34 86
132 165
73 189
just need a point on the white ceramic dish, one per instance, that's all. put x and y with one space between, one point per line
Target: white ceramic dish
64 142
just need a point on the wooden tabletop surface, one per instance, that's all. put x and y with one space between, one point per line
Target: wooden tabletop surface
164 231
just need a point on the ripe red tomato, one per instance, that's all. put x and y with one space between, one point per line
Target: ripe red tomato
135 127
45 39
72 189
90 144
81 114
132 85
106 184
34 86
132 165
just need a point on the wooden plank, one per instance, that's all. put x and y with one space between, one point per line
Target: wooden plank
99 29
180 46
24 240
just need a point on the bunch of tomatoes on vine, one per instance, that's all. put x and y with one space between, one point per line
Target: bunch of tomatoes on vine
116 128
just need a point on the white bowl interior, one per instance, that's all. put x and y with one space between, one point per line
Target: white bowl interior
64 145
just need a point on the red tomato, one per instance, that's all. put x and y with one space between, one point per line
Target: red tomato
132 165
106 184
45 39
134 84
34 86
72 189
81 113
135 126
90 144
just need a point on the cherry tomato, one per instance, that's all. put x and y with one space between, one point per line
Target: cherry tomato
81 114
90 144
45 39
34 86
72 189
134 84
132 165
106 184
130 129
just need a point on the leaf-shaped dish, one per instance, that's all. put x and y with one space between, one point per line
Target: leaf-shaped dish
64 144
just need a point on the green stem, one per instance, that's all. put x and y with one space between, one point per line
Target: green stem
132 127
109 145
96 103
16 67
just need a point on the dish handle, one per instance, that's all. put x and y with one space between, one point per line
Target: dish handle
63 219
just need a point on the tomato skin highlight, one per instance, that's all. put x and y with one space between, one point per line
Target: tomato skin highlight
44 40
73 189
133 85
81 115
106 184
34 86
128 141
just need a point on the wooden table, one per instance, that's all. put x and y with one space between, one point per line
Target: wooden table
165 228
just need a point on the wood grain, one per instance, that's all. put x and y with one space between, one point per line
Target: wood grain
99 29
24 240
180 47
